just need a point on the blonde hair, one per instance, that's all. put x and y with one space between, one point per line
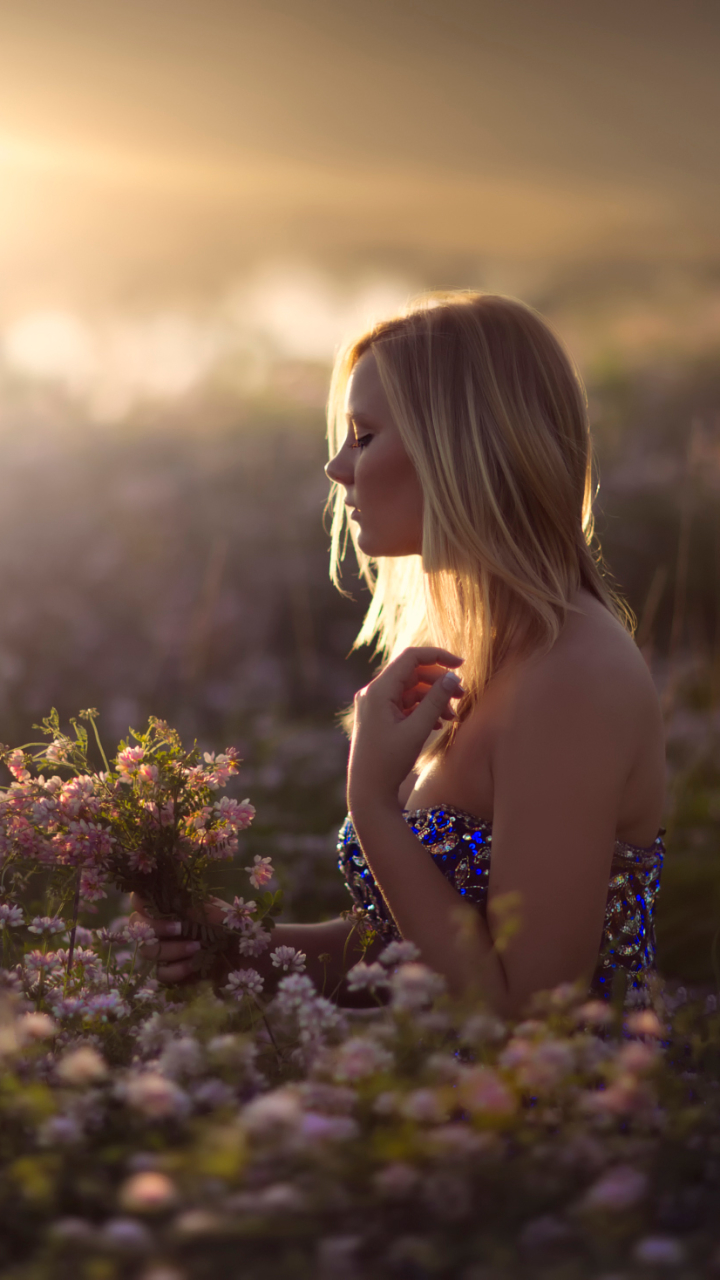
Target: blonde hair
493 415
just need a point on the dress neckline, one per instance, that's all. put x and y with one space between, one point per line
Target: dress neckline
487 824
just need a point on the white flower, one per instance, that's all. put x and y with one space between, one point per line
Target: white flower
154 1095
272 1112
359 1057
414 986
182 1056
47 924
82 1066
398 953
288 959
253 938
244 982
10 916
366 977
35 1026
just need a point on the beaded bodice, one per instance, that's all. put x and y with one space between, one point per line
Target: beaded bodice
461 846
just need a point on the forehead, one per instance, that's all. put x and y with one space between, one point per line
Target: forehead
365 394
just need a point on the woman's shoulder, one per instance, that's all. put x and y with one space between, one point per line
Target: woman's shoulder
593 670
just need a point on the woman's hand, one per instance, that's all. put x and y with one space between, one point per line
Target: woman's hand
394 715
178 960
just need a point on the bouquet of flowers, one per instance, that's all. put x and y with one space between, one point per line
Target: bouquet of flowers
150 822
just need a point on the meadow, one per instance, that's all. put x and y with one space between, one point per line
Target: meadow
175 564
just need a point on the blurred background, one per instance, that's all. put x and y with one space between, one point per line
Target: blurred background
198 202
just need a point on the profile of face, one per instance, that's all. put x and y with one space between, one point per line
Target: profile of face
382 485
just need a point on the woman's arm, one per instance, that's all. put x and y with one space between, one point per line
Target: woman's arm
559 768
331 948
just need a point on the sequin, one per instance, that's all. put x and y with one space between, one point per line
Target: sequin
461 847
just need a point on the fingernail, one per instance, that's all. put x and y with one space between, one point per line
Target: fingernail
452 684
192 947
174 928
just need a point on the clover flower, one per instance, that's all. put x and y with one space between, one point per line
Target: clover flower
236 913
11 917
82 1066
137 931
244 982
154 1095
288 959
396 953
47 924
253 939
128 762
366 977
261 872
360 1057
414 987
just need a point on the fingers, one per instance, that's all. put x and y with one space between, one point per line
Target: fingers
424 656
169 951
179 973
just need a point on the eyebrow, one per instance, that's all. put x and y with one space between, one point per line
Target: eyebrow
362 418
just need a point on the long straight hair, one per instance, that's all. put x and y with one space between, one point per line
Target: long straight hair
493 415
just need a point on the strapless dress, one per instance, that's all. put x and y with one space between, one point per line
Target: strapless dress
461 846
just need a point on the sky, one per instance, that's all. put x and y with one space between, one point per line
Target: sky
166 157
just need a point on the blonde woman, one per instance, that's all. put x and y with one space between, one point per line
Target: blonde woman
506 774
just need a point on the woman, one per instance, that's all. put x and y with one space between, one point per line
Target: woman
532 788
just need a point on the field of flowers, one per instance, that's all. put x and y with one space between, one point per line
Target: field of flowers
257 1129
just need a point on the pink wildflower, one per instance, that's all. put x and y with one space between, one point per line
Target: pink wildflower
16 765
82 1066
11 917
154 1095
219 768
92 884
127 762
483 1091
261 872
147 1193
47 924
236 913
645 1023
238 814
142 859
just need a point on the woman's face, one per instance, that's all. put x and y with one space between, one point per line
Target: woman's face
381 482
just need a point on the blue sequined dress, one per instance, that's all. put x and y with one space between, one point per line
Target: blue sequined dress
461 846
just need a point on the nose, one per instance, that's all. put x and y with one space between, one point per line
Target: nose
341 468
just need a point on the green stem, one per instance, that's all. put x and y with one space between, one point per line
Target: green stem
76 909
100 745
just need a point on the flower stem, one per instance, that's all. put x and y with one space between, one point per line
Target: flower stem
76 908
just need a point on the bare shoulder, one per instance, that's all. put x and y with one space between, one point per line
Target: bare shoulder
594 674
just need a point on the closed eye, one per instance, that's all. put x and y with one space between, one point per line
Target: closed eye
361 442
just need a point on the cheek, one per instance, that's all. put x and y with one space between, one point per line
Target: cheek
389 495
